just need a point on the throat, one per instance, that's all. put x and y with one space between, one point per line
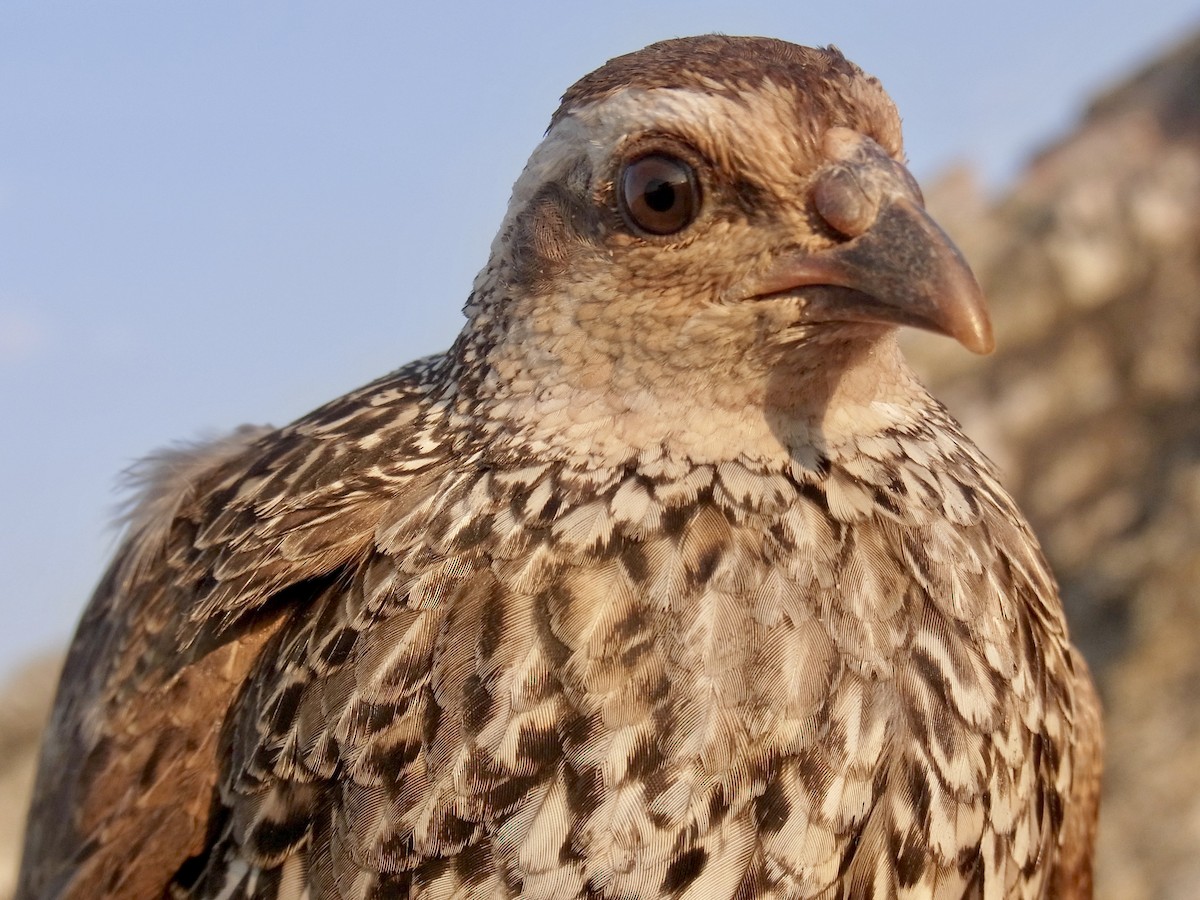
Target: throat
770 418
844 386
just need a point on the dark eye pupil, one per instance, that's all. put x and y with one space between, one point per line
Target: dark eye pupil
659 194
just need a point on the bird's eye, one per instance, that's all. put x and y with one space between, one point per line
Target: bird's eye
659 194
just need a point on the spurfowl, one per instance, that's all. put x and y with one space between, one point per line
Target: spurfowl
668 579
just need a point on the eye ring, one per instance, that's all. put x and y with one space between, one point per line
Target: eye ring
659 194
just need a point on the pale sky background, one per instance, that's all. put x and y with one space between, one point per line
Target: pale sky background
215 213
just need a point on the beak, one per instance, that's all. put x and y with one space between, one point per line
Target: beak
899 267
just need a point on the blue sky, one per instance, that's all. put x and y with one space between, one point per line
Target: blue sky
215 213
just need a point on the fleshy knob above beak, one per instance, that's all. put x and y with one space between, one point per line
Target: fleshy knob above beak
899 266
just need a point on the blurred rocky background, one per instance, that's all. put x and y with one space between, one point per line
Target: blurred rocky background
1091 406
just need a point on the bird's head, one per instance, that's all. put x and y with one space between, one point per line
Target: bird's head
710 216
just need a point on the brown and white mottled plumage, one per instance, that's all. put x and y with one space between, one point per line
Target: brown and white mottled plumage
667 580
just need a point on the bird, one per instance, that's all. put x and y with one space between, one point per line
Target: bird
668 579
